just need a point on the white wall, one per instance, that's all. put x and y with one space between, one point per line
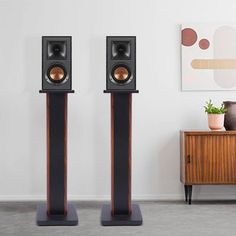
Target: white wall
159 111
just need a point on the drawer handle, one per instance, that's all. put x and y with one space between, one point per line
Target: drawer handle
188 159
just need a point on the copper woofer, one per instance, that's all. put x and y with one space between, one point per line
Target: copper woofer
121 74
56 74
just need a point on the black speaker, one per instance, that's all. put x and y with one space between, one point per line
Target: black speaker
56 83
121 83
56 63
121 63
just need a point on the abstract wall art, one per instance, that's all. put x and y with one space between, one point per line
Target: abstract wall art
208 57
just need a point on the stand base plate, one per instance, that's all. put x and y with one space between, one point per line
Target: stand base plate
43 219
107 219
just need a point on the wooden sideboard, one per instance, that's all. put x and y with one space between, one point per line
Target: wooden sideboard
206 158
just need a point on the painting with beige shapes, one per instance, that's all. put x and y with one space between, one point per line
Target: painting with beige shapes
208 57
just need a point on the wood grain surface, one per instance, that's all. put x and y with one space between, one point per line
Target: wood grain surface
208 157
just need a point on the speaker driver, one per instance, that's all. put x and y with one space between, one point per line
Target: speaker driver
121 74
56 50
56 74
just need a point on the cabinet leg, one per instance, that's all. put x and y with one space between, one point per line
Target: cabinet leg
186 192
190 187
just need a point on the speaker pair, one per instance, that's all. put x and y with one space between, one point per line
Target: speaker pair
56 83
120 63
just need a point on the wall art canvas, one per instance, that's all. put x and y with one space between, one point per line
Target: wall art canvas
208 56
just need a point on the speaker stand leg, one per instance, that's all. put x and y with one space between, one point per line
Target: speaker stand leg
121 211
43 219
56 211
107 219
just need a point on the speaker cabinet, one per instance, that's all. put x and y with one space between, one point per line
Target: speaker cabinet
56 83
121 80
121 63
56 63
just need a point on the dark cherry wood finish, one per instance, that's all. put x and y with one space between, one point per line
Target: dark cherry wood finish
56 211
207 157
121 106
121 211
57 153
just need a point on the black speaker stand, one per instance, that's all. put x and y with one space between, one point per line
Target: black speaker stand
134 219
121 211
56 211
44 219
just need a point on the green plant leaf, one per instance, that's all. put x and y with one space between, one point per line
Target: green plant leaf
211 109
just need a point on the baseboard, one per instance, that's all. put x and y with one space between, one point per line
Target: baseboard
147 197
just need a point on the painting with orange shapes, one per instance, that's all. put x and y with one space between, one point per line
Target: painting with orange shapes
208 57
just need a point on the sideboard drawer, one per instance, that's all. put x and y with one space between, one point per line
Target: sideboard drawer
208 157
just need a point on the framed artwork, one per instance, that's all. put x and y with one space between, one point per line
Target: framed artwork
208 56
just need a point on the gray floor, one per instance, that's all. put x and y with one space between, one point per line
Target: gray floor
160 218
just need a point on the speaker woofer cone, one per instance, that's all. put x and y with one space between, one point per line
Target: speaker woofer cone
56 73
121 74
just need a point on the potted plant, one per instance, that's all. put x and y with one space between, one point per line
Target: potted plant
215 115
